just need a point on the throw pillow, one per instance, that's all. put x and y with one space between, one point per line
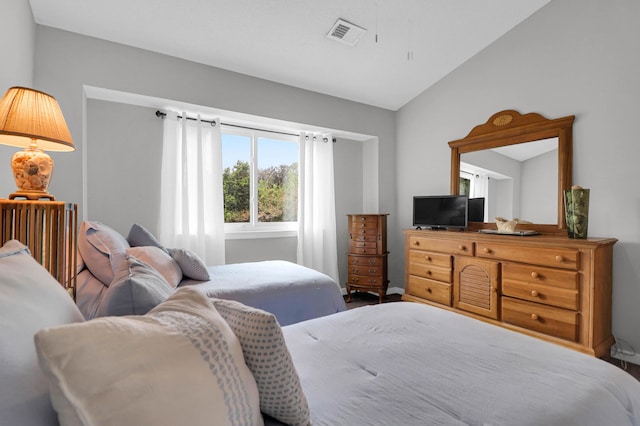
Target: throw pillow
136 289
160 261
102 249
179 364
191 264
268 358
140 236
30 299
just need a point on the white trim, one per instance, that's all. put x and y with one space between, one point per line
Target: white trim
255 234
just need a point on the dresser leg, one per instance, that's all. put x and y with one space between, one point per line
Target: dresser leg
348 294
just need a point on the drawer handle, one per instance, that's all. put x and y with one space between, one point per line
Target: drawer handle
354 279
372 262
534 317
461 247
362 218
354 261
363 251
416 243
534 275
354 270
363 225
560 258
427 272
372 271
429 290
534 293
487 250
427 258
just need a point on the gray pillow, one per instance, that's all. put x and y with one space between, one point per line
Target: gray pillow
30 300
102 249
140 236
135 290
191 264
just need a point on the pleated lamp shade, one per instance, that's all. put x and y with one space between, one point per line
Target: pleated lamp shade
33 120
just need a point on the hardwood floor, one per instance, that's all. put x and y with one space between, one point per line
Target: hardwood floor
361 299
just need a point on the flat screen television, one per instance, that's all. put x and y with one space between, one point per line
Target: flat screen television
440 211
476 209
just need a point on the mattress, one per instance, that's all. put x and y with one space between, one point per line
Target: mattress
292 292
412 364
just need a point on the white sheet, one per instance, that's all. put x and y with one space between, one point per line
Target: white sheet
291 292
411 364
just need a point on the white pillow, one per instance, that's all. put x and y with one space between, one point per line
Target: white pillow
30 299
191 264
266 354
102 249
160 261
179 364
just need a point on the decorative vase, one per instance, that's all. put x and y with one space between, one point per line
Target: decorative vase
576 203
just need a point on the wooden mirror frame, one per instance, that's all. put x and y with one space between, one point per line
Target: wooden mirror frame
509 127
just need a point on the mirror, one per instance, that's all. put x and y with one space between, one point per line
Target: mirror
520 164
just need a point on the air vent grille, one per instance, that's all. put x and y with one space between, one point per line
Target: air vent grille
346 32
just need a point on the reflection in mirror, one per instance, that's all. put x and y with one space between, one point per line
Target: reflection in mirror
535 189
515 181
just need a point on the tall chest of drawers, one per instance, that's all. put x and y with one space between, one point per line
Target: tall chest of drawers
551 287
367 256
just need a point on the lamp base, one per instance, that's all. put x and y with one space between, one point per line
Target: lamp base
31 195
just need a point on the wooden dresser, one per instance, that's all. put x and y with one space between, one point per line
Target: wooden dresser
551 287
367 256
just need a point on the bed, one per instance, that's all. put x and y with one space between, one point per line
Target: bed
124 276
411 364
292 292
397 363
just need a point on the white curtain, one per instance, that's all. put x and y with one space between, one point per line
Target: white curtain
191 198
317 244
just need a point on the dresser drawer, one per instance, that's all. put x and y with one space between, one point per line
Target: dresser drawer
364 218
463 247
557 322
549 286
365 260
356 233
432 272
556 257
362 280
430 290
364 237
428 258
362 247
365 270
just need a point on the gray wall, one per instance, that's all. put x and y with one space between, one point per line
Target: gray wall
573 57
18 30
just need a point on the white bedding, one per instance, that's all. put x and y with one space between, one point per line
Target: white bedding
291 292
411 364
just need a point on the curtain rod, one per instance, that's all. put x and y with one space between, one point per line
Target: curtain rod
162 115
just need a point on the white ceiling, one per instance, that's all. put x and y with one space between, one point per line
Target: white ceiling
285 40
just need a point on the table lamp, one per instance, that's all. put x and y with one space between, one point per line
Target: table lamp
33 120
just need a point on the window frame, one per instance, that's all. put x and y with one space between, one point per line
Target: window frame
253 228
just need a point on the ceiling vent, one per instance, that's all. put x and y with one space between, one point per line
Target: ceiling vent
346 32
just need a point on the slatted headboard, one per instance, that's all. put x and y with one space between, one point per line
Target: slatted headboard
49 229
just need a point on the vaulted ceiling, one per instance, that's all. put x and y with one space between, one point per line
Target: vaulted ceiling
408 45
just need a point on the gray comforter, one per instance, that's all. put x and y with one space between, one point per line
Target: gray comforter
412 364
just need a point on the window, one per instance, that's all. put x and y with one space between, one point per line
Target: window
260 180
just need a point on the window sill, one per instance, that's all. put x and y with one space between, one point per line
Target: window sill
256 234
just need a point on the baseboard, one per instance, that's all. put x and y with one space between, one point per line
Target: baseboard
390 290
